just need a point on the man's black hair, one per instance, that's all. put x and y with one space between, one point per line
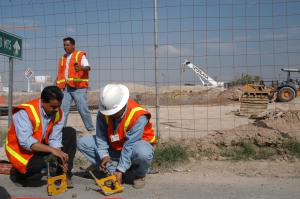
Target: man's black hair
70 39
52 93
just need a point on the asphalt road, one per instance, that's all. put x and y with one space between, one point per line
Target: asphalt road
210 180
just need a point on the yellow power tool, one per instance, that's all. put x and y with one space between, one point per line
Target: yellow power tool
108 185
56 184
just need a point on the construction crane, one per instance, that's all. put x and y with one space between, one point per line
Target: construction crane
203 77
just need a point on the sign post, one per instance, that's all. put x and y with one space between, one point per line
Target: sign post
11 46
42 80
10 90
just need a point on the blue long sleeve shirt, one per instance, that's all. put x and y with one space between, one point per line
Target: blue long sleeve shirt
135 134
24 131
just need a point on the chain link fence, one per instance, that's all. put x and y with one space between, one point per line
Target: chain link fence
226 39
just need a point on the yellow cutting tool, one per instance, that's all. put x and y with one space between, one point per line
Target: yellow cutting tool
108 185
56 184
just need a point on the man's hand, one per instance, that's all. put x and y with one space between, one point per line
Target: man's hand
119 175
77 67
103 163
61 155
64 167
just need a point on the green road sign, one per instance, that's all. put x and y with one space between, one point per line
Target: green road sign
10 45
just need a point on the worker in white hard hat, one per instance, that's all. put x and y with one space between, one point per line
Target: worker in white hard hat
124 136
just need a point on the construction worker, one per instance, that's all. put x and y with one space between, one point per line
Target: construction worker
36 132
124 136
73 79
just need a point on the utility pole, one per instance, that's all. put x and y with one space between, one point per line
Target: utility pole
156 71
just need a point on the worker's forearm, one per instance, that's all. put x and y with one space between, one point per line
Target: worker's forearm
86 68
39 147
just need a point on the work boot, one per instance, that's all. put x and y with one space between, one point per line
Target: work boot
139 182
17 179
21 181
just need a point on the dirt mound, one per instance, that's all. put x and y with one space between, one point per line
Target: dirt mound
233 93
262 132
271 132
190 96
169 95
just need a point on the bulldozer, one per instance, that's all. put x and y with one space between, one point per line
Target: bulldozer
255 99
290 88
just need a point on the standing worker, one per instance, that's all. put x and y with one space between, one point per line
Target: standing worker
124 136
36 132
73 79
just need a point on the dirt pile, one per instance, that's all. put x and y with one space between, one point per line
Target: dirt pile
232 94
190 96
169 95
270 132
262 132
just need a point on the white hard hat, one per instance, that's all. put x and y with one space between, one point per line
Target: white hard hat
113 98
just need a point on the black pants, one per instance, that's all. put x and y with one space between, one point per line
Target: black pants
37 161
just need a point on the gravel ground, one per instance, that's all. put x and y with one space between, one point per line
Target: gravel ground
208 179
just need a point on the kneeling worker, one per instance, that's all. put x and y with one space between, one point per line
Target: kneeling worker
124 136
35 132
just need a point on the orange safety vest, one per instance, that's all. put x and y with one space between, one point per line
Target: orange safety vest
17 155
78 79
134 111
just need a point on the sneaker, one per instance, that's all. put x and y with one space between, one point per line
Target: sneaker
139 182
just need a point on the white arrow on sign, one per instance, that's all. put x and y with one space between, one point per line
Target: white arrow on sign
16 47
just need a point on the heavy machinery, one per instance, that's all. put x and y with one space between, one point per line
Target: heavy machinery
290 88
203 77
255 99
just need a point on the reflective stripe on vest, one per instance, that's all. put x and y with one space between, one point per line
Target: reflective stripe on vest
62 60
57 117
61 81
106 119
35 115
72 79
76 56
132 112
78 80
153 139
15 154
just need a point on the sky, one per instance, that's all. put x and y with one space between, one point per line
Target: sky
226 38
